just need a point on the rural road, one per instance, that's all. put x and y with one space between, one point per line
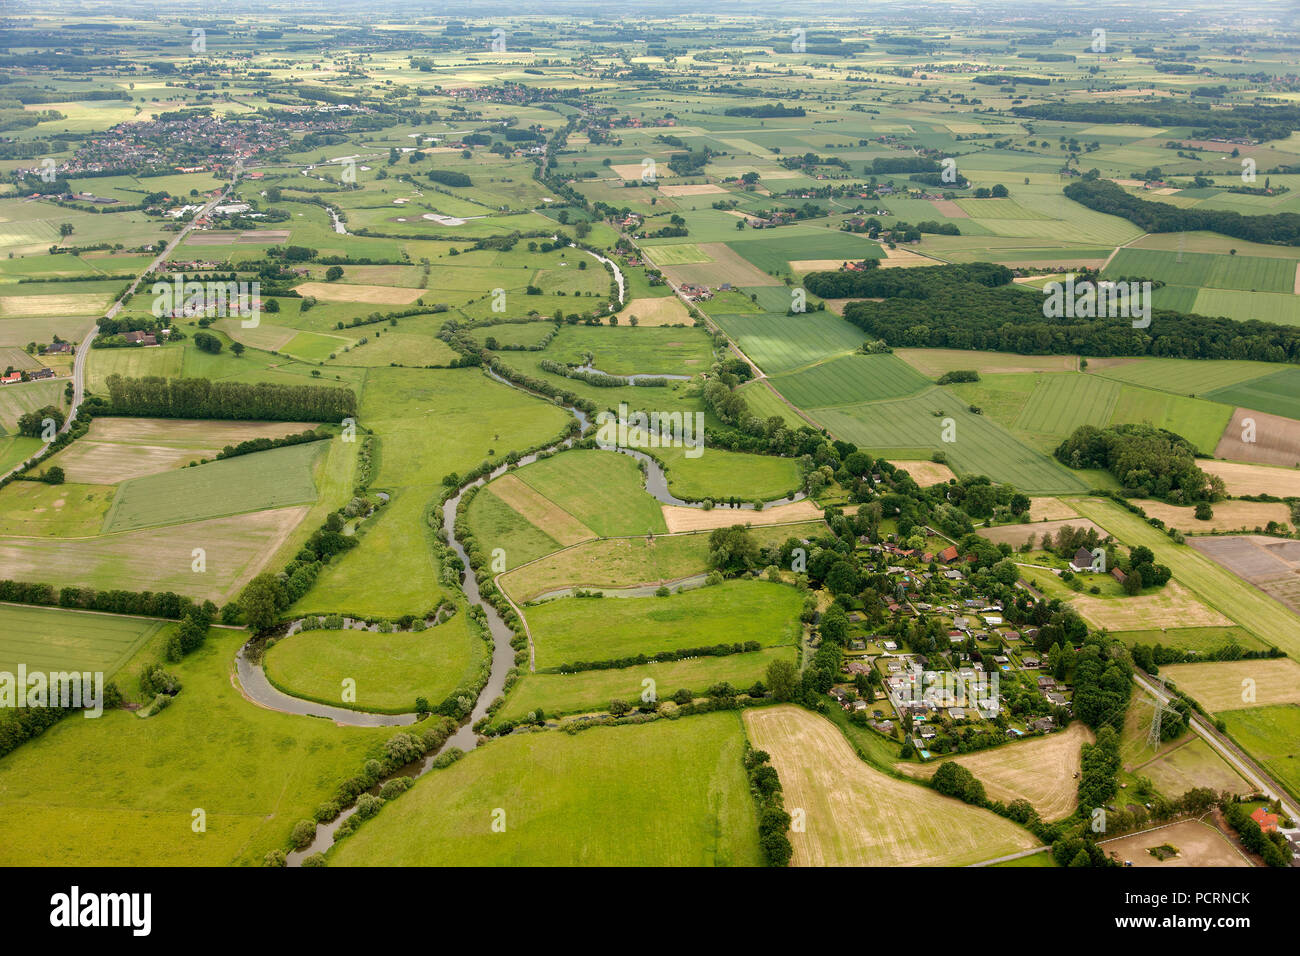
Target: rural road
1230 752
83 347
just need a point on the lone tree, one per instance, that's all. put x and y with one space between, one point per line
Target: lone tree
260 601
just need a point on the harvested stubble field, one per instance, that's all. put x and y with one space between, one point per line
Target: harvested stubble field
1049 509
119 449
1041 770
1017 534
626 562
926 473
1232 685
858 816
652 313
934 362
680 519
156 559
349 292
1228 515
1245 479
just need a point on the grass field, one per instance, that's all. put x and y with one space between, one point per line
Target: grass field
1041 770
53 639
258 482
858 816
390 573
718 473
389 670
558 694
593 629
1271 734
40 510
1199 639
1252 609
603 491
119 791
849 379
668 794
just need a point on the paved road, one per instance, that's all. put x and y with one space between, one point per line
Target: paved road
83 348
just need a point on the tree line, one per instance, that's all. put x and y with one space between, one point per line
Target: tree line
158 397
1281 228
996 315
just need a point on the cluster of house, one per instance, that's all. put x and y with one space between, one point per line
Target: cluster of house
696 292
30 375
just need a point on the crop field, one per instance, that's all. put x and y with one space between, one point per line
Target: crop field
1061 403
1200 422
849 379
765 403
670 794
1276 307
782 343
1041 770
568 630
1199 639
981 446
1182 376
1246 479
1232 685
1277 393
858 816
258 482
163 361
1248 273
585 691
495 523
389 670
1194 763
52 639
108 791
